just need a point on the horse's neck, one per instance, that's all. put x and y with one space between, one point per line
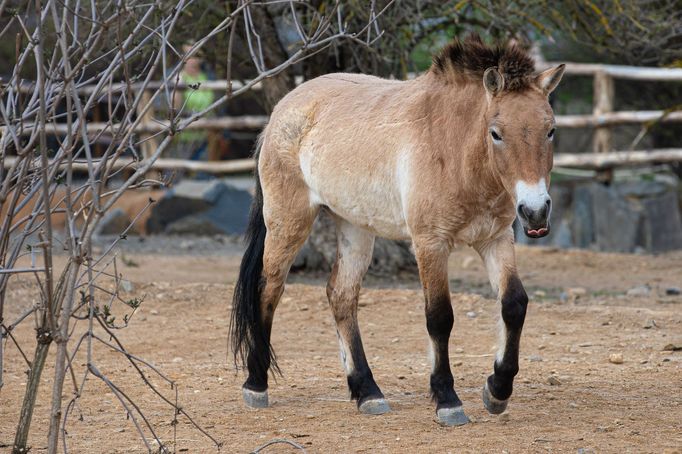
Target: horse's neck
460 130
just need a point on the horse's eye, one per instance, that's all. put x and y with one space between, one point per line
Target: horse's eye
550 134
496 136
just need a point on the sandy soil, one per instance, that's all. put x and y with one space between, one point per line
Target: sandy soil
568 396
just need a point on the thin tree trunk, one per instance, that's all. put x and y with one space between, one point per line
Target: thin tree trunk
21 436
60 362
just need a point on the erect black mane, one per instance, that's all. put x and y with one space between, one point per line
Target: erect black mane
472 57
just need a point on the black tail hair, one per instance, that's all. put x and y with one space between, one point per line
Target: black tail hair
249 339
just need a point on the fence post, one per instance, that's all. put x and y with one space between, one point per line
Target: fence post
603 103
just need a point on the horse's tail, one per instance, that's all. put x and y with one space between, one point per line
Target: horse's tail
249 339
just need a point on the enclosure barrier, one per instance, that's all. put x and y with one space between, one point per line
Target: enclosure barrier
602 119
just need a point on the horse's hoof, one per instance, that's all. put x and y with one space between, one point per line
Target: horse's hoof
452 416
493 405
374 407
255 399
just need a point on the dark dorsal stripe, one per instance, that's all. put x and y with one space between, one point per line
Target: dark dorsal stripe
471 57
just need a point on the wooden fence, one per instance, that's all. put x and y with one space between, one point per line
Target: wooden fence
603 117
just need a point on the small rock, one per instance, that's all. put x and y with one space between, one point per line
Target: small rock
317 357
573 405
671 291
395 340
303 308
650 323
616 358
504 417
640 290
120 430
177 359
472 314
554 381
672 348
127 285
154 312
535 358
540 293
573 294
457 363
401 377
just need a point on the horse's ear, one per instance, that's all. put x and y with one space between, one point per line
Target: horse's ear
550 78
493 81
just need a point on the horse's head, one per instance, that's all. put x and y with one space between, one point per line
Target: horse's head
519 138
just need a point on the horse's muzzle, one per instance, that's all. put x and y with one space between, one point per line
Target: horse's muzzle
535 221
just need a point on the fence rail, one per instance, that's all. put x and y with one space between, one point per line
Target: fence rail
602 119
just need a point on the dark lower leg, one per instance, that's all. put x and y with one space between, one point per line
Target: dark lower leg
260 356
514 302
439 321
360 379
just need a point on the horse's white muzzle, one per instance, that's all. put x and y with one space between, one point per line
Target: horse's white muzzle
533 207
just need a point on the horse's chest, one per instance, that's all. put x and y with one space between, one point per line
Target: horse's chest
482 227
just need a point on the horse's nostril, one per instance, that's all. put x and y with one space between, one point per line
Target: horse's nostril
520 209
548 203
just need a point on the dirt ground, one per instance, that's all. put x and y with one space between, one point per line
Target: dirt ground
568 396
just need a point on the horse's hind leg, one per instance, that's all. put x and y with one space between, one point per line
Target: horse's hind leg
354 254
289 217
432 257
500 262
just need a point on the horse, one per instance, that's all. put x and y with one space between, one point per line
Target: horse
447 159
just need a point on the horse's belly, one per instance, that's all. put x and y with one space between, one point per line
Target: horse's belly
365 197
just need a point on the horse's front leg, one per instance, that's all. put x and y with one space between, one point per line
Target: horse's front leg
432 258
501 265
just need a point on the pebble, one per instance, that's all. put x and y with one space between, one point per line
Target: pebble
457 363
554 381
472 314
504 417
573 405
616 358
177 359
127 285
535 358
154 312
640 290
672 348
673 291
540 293
650 323
574 293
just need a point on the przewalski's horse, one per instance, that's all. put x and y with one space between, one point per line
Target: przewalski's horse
447 159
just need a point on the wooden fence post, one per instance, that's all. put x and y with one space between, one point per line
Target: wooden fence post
602 104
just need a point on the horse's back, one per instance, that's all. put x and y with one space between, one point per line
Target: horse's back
343 134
